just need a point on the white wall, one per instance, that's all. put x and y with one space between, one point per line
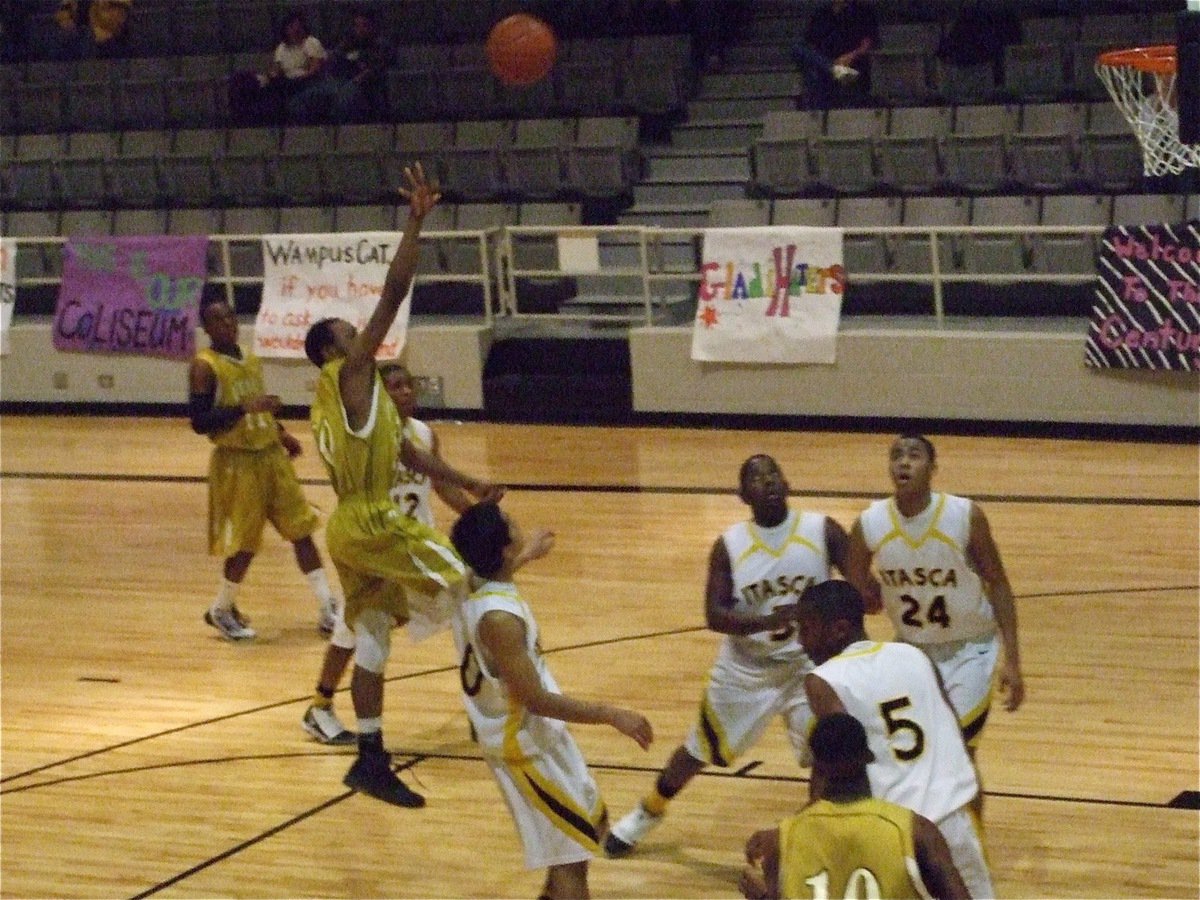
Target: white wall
35 372
987 375
1021 376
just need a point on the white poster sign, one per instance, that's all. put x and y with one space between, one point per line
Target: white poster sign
309 277
770 295
8 289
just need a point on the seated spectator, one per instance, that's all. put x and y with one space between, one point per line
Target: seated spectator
358 67
979 33
296 86
835 52
92 27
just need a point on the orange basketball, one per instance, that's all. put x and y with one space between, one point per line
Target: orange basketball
521 49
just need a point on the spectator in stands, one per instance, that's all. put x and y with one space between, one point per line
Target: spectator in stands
979 33
296 85
92 26
358 68
835 52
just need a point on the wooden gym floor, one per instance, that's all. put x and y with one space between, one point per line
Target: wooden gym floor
143 756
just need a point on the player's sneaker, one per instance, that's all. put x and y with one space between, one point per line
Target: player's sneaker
327 619
844 74
227 623
326 727
372 774
633 826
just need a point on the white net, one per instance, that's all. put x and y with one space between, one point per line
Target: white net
1142 84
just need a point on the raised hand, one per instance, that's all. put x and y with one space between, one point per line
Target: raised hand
422 194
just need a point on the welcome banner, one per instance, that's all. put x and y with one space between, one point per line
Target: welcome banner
770 295
8 289
309 277
137 295
1147 312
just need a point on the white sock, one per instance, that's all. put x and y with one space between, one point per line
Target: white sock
369 726
226 595
320 586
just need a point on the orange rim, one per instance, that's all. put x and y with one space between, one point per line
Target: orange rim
1159 60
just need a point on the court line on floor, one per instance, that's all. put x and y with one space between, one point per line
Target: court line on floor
600 642
414 757
538 487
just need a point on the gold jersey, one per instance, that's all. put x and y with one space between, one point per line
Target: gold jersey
239 380
362 463
863 848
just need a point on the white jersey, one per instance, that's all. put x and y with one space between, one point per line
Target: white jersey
506 730
920 759
930 591
411 490
771 567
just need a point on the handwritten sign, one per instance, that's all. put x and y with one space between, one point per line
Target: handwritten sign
769 295
136 295
1147 312
8 289
310 277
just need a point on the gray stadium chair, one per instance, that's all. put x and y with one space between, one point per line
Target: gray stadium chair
1112 162
1045 162
85 222
141 103
963 84
781 156
468 92
245 257
365 217
1054 118
305 220
1069 254
901 76
999 253
844 165
89 106
471 168
1105 117
1049 29
188 179
867 252
38 107
911 252
32 261
534 164
83 172
196 102
603 159
910 164
976 162
1143 209
134 222
921 121
738 213
856 123
1035 71
987 118
813 211
587 87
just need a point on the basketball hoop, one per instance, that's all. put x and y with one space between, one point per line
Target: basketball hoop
1141 81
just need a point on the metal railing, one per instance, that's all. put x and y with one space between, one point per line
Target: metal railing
655 281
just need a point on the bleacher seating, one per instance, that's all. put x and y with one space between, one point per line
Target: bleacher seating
143 138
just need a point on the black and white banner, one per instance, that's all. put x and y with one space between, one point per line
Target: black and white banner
1147 312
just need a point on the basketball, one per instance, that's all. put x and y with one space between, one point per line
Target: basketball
521 49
